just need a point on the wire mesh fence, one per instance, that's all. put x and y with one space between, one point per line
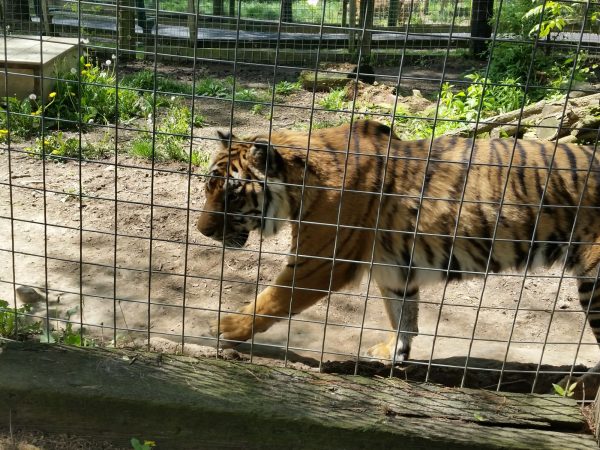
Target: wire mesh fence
109 121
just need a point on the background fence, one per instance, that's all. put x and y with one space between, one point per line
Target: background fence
105 151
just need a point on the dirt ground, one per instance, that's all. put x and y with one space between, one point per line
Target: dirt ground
165 276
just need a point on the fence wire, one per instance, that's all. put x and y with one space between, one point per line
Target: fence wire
109 118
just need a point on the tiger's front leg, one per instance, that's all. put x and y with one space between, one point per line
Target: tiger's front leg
240 325
310 282
403 312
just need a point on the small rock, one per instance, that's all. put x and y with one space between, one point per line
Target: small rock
29 296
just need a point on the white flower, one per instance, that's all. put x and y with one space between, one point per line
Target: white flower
85 41
73 70
108 62
172 98
91 121
32 97
114 56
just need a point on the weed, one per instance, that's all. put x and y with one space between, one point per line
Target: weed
172 137
567 391
20 116
15 323
258 108
210 87
286 88
146 445
200 159
334 101
142 148
58 145
144 79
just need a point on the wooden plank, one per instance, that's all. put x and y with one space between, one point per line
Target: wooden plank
188 403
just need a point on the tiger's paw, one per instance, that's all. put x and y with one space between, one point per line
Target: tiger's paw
232 329
384 351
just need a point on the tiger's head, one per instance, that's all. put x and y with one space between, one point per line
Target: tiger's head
244 191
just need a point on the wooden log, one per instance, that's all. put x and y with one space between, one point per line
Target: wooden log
324 82
190 403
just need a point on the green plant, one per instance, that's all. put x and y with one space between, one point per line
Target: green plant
210 87
55 145
144 79
286 88
20 116
567 391
142 147
58 145
334 100
146 445
67 335
15 323
89 94
171 137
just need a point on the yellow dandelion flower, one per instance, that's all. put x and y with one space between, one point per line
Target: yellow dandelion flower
88 65
3 132
150 443
35 113
84 72
52 94
46 142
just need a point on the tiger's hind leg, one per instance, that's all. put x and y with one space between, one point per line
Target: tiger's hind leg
403 313
589 298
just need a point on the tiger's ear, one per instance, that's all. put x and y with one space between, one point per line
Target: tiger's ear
225 136
263 156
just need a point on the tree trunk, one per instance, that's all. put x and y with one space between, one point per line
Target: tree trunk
481 29
393 13
218 9
367 25
286 11
351 24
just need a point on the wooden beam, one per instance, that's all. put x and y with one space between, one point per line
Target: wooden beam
185 403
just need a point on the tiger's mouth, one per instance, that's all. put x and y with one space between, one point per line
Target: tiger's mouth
237 240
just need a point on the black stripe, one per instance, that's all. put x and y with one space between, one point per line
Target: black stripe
521 170
585 287
410 293
454 272
572 164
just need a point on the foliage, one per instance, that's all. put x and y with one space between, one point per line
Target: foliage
20 117
58 145
334 100
211 87
145 79
15 323
88 94
481 98
146 445
286 88
511 21
567 391
67 335
171 137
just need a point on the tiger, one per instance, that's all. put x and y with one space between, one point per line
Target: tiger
412 213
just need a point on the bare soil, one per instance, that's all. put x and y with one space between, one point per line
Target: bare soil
128 264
